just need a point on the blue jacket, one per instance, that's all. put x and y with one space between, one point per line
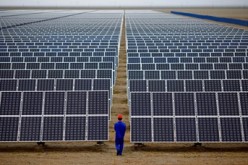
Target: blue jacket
120 129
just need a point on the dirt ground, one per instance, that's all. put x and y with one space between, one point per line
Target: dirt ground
89 153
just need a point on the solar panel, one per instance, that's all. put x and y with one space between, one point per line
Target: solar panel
230 129
156 85
97 102
137 85
10 103
175 85
8 85
162 104
208 129
193 85
54 103
184 104
53 129
97 128
228 104
22 74
26 85
75 128
141 130
64 84
30 129
245 127
76 103
244 103
45 85
32 103
185 129
212 85
8 128
141 104
163 129
206 104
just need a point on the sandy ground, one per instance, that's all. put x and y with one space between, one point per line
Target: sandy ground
89 153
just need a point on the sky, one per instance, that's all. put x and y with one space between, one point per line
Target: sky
121 3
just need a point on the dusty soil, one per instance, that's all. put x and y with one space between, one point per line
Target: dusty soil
89 153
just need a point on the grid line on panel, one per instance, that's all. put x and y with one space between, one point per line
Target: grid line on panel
152 118
87 114
218 114
196 118
241 121
42 118
20 118
65 112
174 117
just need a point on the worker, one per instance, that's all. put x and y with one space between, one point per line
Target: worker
120 129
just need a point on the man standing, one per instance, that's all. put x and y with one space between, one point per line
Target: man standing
120 129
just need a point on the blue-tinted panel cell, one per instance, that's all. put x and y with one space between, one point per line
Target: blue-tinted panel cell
8 128
163 129
140 104
10 103
98 128
75 128
45 85
152 75
141 130
32 103
184 104
212 85
26 85
245 127
30 129
64 84
208 129
184 75
206 104
228 104
53 128
156 86
83 84
54 103
194 85
230 129
244 103
231 85
8 85
162 104
76 103
132 75
185 129
102 84
244 84
98 102
137 85
175 85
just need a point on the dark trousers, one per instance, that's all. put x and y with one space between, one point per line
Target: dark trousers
119 144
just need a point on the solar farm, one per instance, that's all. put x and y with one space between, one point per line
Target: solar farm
66 74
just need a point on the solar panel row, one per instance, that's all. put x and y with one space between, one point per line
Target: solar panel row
191 129
57 72
49 116
189 104
186 80
187 85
